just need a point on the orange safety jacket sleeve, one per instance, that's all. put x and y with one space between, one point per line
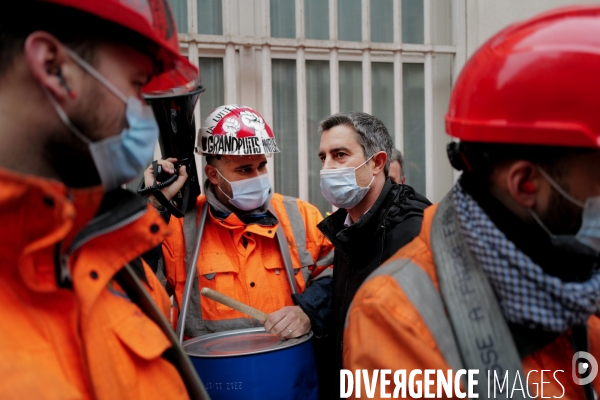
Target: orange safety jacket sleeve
318 246
384 330
316 299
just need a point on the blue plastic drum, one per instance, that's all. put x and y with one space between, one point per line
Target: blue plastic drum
253 364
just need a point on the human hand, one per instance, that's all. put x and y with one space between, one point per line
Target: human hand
288 322
170 191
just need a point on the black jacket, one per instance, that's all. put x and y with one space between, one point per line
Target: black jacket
392 222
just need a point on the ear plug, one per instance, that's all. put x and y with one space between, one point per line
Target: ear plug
527 187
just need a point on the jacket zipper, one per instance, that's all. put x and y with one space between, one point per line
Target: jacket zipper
382 246
340 337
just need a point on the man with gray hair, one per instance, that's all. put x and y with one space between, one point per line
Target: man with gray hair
374 220
397 167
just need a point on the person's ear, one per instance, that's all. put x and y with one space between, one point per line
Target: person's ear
523 183
211 174
379 159
49 64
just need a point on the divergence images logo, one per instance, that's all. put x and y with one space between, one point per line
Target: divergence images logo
584 368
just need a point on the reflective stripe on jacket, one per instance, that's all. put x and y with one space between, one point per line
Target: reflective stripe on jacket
384 330
243 261
85 342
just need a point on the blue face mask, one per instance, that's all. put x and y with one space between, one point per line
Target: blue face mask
248 194
588 234
339 186
120 158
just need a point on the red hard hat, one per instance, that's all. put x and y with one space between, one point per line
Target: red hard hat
536 82
235 130
152 19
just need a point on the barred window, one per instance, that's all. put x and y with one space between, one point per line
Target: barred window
298 61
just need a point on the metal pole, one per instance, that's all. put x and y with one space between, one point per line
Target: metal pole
191 275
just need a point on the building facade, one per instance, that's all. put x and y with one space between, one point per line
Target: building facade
298 61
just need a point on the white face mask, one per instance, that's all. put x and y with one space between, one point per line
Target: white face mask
339 186
248 194
120 158
589 232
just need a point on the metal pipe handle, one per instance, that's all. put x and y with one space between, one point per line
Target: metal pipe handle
191 275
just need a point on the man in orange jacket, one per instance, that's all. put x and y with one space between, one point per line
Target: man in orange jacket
248 231
502 285
73 129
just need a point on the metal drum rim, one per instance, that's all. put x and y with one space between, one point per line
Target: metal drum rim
301 340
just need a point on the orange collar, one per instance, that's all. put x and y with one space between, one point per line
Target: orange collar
232 222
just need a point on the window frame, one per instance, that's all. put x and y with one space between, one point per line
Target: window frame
231 44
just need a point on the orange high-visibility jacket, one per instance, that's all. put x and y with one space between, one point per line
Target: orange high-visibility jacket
253 274
85 342
384 330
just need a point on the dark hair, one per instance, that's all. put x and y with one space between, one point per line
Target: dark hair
478 159
397 156
211 159
81 31
373 136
